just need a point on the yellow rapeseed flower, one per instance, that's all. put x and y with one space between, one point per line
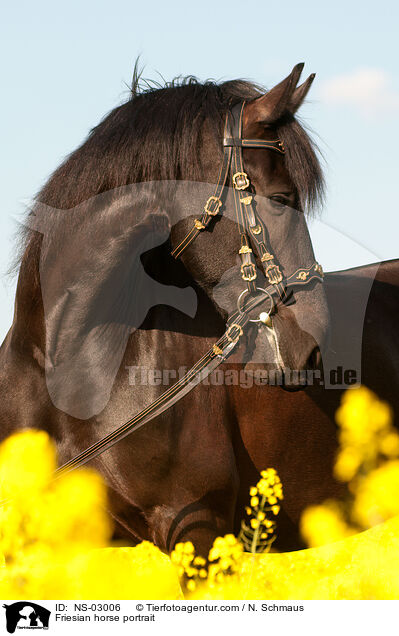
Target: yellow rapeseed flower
376 498
324 524
362 418
389 444
347 464
27 463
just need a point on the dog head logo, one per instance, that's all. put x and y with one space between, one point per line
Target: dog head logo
26 615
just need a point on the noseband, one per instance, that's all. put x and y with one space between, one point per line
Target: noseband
253 237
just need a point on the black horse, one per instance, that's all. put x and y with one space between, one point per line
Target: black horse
105 317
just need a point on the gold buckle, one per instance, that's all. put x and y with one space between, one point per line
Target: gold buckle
199 225
240 180
217 202
252 275
273 273
302 275
240 332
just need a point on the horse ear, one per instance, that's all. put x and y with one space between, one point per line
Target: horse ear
300 93
268 108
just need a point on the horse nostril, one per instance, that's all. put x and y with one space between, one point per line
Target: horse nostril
314 360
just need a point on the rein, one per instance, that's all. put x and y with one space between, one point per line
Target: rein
253 235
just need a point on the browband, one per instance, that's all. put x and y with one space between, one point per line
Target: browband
274 144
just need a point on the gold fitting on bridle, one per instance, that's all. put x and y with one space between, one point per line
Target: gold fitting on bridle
240 180
318 269
273 274
256 229
245 250
302 275
214 209
239 332
246 200
266 257
217 350
199 225
251 275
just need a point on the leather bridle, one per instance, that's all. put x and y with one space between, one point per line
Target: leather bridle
253 236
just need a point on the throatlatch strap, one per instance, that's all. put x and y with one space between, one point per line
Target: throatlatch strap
211 207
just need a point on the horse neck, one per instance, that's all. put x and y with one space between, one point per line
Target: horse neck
27 334
22 379
167 339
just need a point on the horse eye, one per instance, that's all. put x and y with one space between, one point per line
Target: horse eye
278 201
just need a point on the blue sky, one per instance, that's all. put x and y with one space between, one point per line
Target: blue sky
65 65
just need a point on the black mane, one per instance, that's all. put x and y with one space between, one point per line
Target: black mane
155 135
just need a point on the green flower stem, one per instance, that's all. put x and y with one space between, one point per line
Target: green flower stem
257 530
